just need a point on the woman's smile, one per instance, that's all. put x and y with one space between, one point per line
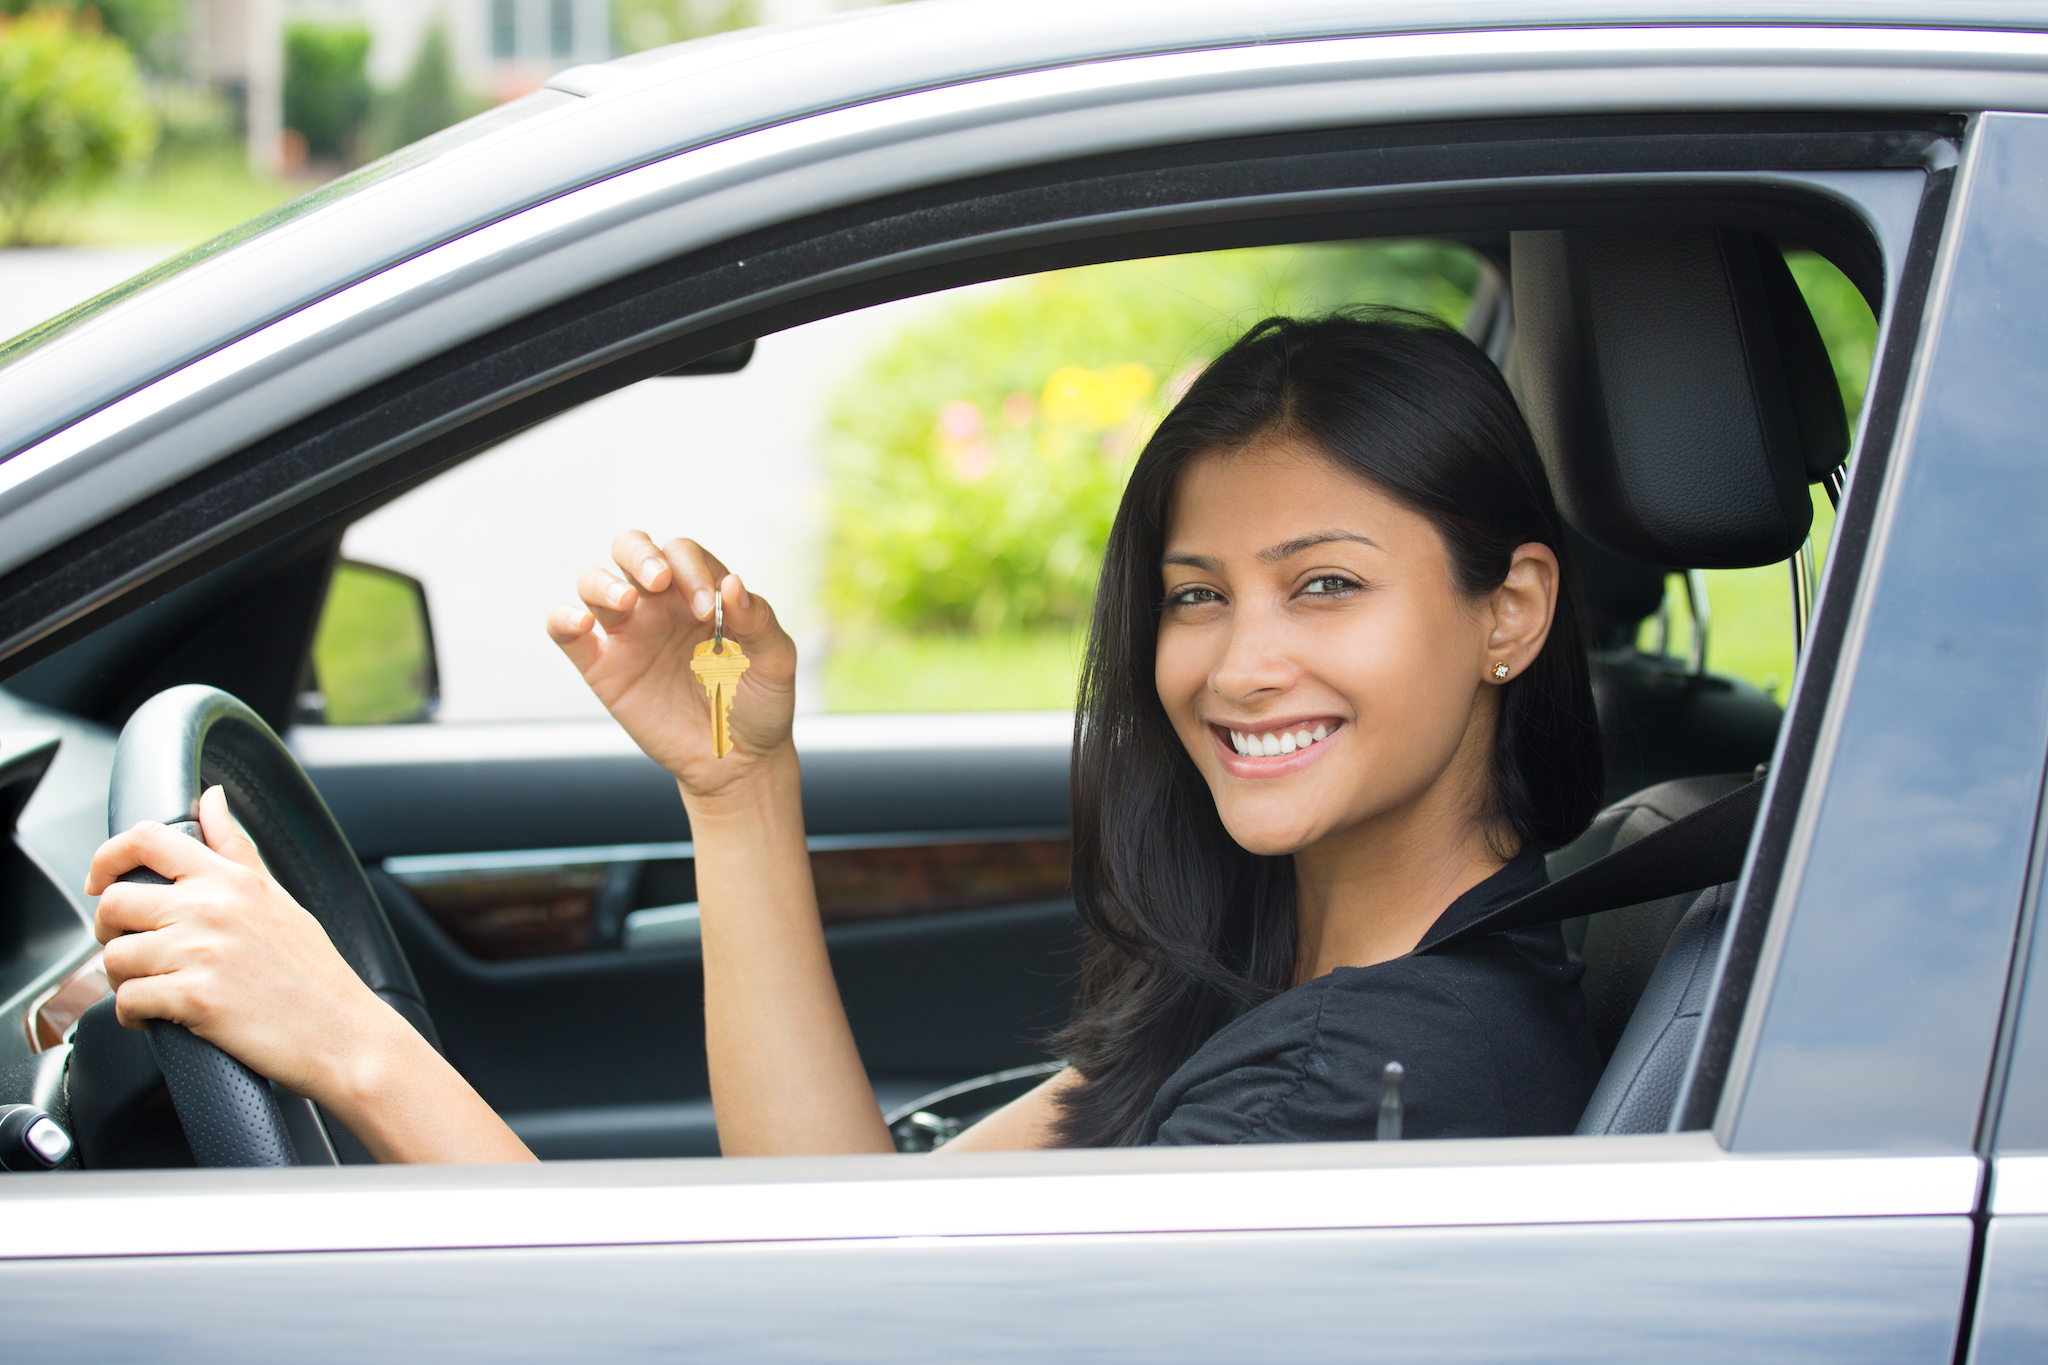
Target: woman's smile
1273 748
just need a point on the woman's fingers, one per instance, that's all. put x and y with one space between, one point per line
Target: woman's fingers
608 599
571 628
223 835
635 554
698 573
139 999
750 620
131 908
158 847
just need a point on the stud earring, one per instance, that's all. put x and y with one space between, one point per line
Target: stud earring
1500 671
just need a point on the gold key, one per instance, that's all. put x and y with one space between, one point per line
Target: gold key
718 664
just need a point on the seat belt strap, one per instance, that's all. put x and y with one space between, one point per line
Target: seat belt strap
1691 853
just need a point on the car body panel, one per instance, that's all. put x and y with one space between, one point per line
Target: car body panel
1598 1248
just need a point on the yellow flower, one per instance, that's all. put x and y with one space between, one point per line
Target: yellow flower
1095 399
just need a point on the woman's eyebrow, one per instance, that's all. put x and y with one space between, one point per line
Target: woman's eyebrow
1206 563
1287 549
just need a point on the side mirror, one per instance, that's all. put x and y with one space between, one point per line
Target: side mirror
731 360
373 659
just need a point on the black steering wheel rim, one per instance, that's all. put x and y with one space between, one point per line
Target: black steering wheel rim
177 744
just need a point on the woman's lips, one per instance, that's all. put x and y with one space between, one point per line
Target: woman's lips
1274 750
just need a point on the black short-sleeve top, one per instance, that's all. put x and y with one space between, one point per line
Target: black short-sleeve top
1491 1034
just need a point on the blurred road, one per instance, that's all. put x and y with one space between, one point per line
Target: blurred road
731 460
41 282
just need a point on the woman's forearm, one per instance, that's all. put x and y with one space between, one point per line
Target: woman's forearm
786 1077
405 1103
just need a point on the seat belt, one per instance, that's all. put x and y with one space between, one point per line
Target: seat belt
1691 853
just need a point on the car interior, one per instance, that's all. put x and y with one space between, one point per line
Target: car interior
1673 375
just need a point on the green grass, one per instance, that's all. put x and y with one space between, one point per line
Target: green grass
1750 631
876 671
179 203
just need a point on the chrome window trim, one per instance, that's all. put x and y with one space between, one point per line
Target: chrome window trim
1507 1182
433 864
363 746
2019 1185
148 440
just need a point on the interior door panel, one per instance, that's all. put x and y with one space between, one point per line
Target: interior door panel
942 879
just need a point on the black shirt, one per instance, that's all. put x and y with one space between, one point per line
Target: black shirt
1491 1033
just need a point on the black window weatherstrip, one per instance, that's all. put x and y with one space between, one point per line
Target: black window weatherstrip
335 466
1700 1101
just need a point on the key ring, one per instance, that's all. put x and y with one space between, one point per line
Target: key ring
718 621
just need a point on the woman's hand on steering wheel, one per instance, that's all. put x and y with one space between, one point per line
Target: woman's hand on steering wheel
229 954
653 619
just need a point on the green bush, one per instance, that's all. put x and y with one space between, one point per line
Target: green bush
150 28
327 85
976 463
426 101
72 111
641 24
1845 322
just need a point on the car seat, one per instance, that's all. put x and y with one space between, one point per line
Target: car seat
1683 401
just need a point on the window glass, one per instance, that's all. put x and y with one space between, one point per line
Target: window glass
922 489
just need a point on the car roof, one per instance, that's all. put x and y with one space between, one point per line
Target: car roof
591 122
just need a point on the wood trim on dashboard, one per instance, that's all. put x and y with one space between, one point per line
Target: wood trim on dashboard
501 907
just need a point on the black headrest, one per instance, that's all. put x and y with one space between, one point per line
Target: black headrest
1618 592
1678 389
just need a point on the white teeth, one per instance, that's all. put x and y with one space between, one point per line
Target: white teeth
1273 745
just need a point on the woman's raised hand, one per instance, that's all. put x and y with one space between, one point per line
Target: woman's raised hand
655 612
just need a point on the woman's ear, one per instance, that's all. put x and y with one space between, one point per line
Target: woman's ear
1520 610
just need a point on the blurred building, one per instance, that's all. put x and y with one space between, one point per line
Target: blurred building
237 47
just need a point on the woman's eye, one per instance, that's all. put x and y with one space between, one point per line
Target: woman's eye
1193 597
1328 584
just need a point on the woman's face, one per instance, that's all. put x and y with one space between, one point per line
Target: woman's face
1317 657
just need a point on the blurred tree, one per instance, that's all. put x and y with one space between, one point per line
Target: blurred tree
72 110
151 28
640 24
975 463
327 86
426 101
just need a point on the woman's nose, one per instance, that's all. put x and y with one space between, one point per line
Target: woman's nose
1253 658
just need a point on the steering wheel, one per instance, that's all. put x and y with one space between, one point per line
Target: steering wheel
180 742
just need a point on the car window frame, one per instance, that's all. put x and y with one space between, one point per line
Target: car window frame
560 338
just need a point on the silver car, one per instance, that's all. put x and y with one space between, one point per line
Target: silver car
1824 1131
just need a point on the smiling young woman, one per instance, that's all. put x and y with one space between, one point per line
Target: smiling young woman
1336 697
1335 708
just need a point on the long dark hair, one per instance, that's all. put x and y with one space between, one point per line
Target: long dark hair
1187 929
